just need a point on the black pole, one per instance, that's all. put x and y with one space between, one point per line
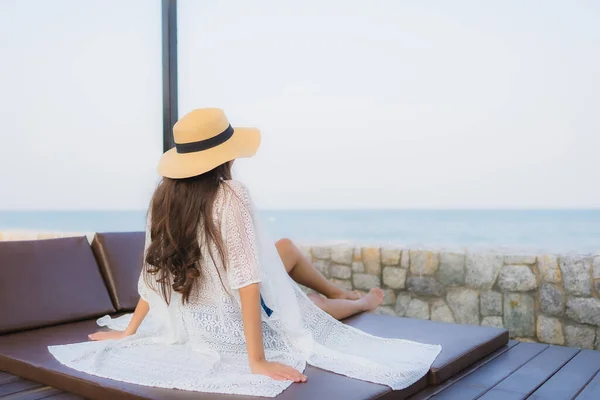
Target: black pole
169 64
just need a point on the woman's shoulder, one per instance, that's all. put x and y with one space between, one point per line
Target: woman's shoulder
236 186
238 190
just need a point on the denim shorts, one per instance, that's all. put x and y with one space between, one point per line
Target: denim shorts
264 306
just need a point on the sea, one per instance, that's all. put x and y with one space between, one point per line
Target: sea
517 231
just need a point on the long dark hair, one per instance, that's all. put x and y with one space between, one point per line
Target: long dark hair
178 208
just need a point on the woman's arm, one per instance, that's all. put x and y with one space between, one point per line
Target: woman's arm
141 310
251 317
243 274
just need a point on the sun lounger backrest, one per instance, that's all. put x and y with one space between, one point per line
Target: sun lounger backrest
48 282
120 257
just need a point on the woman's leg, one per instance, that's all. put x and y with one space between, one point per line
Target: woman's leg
344 308
302 271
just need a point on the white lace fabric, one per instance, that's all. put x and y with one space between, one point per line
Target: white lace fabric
200 345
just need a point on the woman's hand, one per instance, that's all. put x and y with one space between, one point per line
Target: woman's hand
141 310
277 371
108 335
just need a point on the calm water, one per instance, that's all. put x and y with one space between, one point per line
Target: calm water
565 231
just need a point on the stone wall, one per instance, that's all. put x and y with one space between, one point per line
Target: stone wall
543 298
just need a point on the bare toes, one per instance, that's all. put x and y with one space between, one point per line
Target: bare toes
373 299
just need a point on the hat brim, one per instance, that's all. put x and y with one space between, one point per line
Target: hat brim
243 143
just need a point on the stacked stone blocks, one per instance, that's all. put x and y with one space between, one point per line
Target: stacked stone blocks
544 298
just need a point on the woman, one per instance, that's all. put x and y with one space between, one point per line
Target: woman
220 308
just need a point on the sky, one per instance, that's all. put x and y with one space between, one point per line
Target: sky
380 104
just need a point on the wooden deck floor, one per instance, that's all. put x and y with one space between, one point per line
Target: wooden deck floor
13 388
518 371
525 371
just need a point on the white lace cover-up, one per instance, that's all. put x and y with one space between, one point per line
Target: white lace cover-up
201 345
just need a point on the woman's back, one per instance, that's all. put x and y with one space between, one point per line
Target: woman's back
211 316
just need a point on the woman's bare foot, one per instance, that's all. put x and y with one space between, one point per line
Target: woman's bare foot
372 300
341 308
346 295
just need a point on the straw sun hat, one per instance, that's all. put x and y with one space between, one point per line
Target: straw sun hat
204 139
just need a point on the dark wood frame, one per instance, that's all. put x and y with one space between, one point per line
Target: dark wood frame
169 71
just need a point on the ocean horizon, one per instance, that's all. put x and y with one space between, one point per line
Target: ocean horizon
521 231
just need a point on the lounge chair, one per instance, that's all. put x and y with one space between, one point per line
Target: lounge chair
52 291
